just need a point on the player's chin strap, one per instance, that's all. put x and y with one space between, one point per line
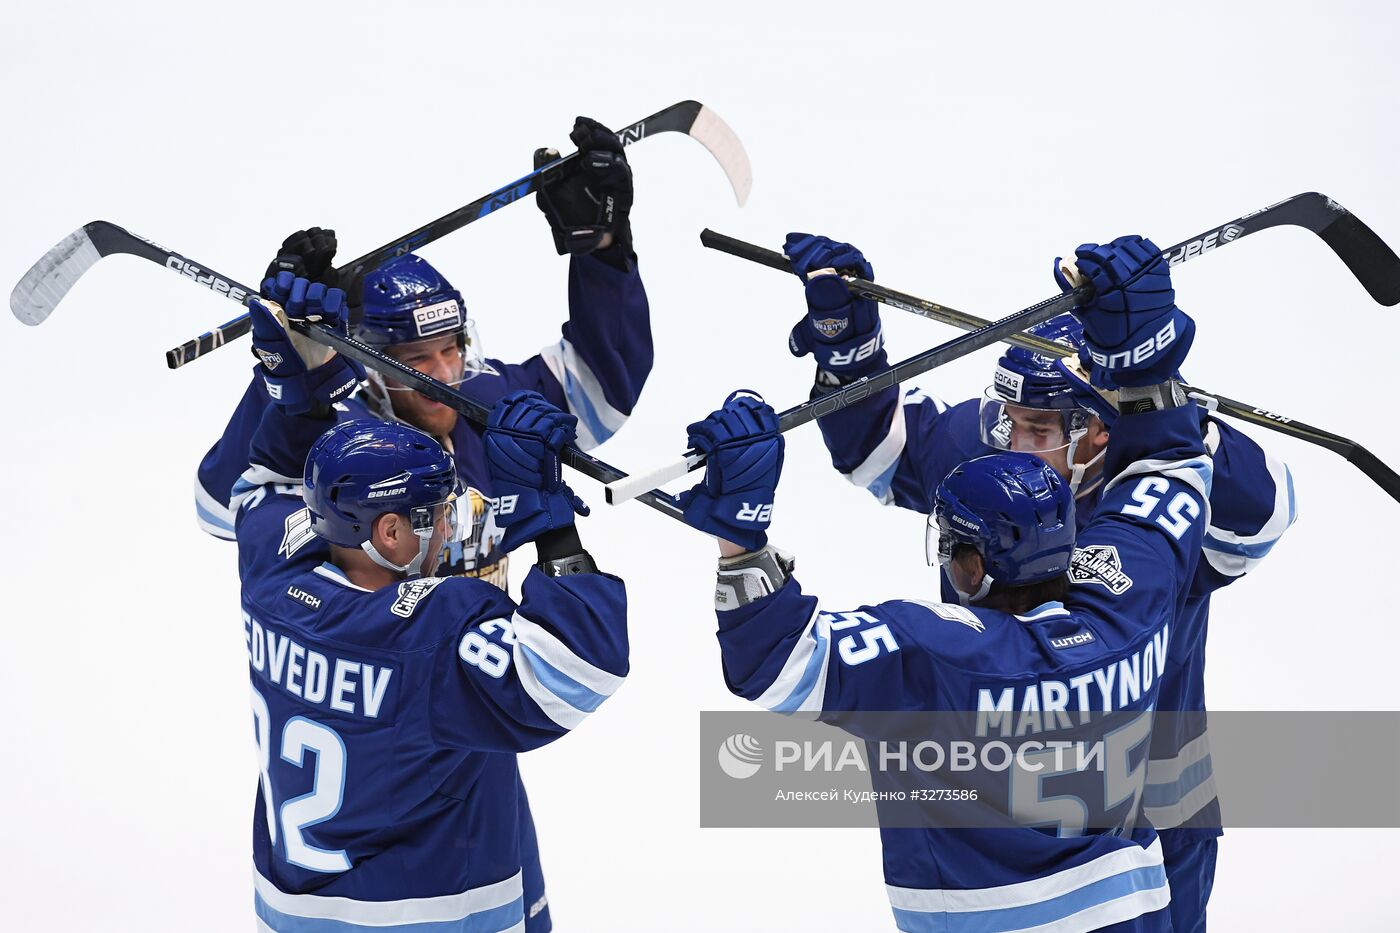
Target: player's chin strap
1076 472
967 599
376 398
413 568
423 524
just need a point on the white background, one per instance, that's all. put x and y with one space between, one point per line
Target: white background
960 145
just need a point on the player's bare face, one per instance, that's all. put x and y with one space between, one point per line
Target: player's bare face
1040 432
439 357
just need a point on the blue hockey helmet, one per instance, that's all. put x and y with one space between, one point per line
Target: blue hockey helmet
1014 509
1030 405
406 300
359 470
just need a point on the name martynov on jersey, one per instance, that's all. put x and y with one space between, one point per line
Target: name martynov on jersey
899 447
387 725
1103 649
596 371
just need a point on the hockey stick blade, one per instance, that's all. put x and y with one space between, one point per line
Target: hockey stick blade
1350 450
1379 473
46 283
688 117
615 493
100 238
40 290
1371 261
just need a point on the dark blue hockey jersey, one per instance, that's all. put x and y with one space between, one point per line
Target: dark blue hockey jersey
1104 649
596 372
387 722
901 448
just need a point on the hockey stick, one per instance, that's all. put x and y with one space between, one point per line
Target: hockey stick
84 254
471 409
1370 260
689 117
46 283
640 484
1367 462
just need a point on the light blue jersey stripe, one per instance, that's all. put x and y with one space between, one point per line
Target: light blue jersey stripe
212 519
1000 920
582 406
1292 500
804 687
493 920
1205 469
562 685
880 486
1252 551
1170 793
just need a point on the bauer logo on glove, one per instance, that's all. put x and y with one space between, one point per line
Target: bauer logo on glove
1138 355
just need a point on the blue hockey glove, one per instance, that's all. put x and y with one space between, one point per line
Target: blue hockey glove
840 330
1135 333
594 201
745 458
301 375
808 253
523 438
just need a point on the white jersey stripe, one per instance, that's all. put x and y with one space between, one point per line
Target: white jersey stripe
1024 893
1235 554
597 419
444 909
801 684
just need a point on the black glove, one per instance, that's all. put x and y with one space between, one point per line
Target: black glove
596 199
309 254
306 254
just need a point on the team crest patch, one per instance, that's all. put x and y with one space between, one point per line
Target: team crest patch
1099 563
411 593
296 533
270 360
830 327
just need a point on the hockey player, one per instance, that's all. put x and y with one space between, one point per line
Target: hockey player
901 449
389 704
411 312
1003 529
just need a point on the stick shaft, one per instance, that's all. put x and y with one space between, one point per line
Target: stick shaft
469 408
1311 210
1372 466
863 388
676 118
